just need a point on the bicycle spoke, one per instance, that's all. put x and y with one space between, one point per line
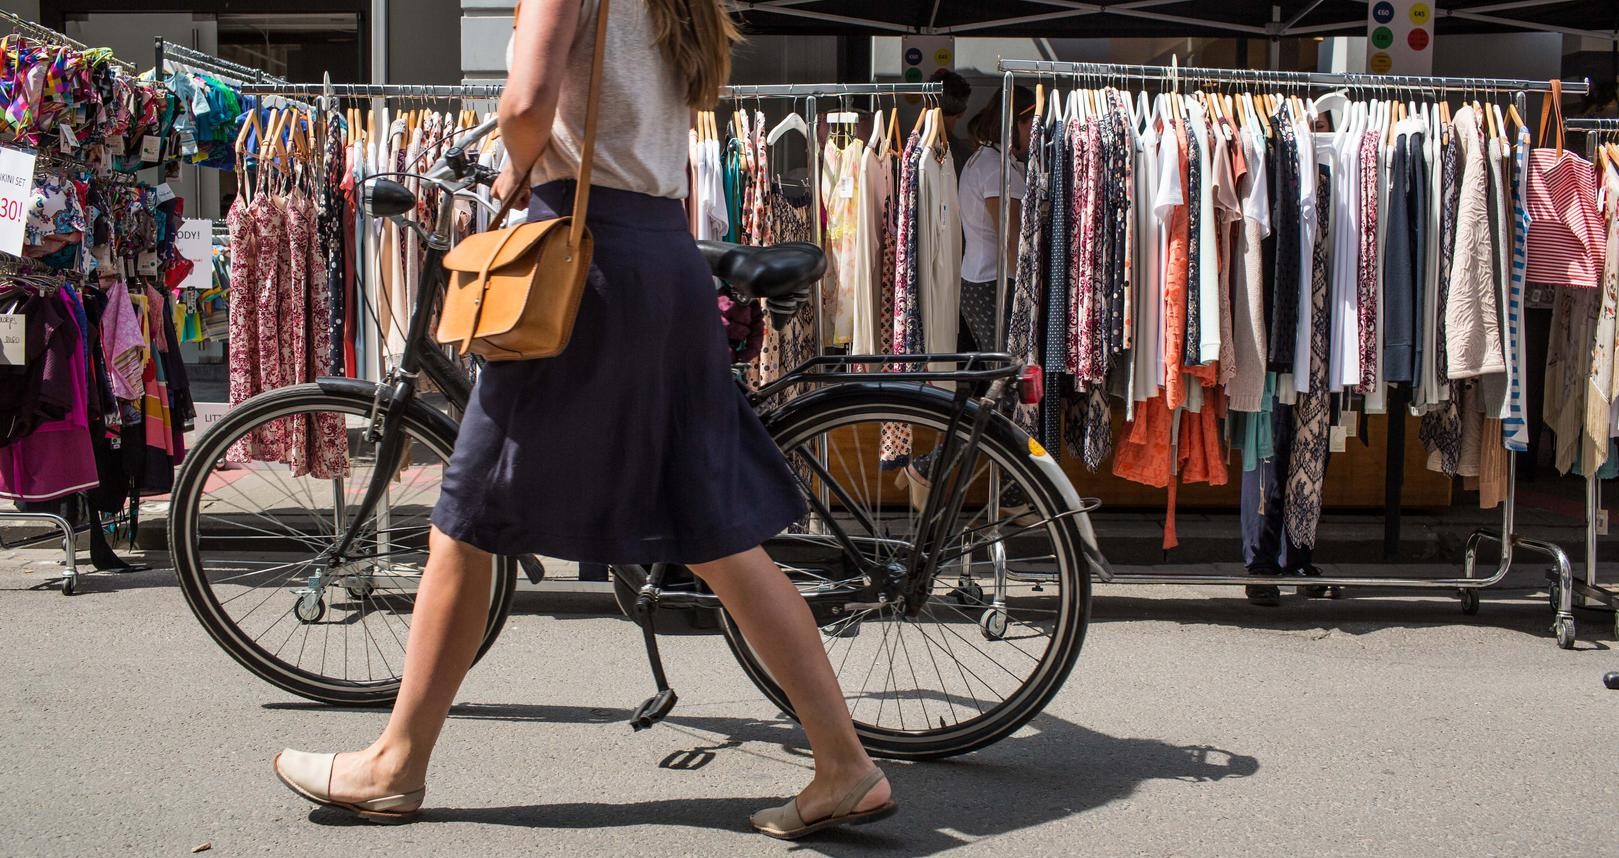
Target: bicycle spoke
279 521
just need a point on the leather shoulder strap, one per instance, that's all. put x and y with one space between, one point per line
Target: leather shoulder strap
587 150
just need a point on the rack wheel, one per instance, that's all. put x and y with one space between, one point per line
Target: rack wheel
1554 596
1469 602
968 593
69 586
993 624
1611 679
310 608
1564 627
361 591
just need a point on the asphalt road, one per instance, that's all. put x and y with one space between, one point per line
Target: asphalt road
1194 725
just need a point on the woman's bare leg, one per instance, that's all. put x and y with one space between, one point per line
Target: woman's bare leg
778 624
446 627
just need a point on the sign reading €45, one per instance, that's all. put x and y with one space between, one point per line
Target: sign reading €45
1399 37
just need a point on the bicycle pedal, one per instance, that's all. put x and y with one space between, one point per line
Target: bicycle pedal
654 709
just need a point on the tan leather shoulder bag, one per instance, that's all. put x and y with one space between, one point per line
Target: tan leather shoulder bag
513 293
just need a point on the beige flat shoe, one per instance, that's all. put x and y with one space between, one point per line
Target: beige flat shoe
920 486
310 775
784 823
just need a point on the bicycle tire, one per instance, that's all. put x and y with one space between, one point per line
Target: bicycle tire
1008 447
421 423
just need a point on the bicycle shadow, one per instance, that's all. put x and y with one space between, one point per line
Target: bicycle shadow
1051 770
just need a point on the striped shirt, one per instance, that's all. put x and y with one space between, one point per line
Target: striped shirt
1514 429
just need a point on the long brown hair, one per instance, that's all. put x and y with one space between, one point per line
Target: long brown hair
695 37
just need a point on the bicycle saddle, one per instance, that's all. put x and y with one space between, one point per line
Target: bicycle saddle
781 274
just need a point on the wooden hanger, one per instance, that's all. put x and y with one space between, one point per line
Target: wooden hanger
1512 111
250 125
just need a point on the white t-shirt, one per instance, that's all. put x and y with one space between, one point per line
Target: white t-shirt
980 181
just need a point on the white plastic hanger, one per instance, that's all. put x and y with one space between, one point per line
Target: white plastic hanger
793 122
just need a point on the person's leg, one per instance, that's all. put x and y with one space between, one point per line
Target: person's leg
446 627
778 624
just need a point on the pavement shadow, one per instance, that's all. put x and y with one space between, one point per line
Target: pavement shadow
1051 770
1356 613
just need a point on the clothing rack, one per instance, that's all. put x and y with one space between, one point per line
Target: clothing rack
810 92
1591 593
373 90
39 32
1467 586
1326 80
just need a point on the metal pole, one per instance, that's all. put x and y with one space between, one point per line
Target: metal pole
1275 38
1005 226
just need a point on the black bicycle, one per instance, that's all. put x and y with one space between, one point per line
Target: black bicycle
952 595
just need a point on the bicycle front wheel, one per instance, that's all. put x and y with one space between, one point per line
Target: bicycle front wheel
1006 614
253 514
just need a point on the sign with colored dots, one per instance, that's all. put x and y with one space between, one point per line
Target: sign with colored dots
925 55
1399 37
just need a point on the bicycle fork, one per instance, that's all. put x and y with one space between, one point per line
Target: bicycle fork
956 462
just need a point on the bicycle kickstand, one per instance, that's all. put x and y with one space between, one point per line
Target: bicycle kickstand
659 705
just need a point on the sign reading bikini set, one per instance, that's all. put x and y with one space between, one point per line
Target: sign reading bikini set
16 193
1399 37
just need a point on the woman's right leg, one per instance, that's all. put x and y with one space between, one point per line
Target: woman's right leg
447 624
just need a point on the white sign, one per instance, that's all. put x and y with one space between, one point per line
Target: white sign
208 414
921 56
13 339
1399 37
195 241
16 195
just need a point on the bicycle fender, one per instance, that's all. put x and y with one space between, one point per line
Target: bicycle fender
857 393
366 391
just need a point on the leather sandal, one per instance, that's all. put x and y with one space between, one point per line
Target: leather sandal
310 776
785 823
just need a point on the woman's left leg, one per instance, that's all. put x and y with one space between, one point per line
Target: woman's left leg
778 625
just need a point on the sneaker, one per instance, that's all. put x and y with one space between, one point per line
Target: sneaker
1264 595
1311 591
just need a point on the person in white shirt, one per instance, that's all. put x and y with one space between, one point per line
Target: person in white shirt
980 208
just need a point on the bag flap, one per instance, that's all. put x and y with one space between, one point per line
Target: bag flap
473 253
471 310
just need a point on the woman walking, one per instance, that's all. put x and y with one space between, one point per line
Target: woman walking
632 446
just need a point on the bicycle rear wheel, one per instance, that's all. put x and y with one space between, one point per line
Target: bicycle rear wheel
247 539
1006 616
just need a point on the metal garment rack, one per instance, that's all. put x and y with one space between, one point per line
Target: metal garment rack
1467 586
1588 589
809 92
70 576
25 27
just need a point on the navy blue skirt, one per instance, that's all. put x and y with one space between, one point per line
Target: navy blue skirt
635 445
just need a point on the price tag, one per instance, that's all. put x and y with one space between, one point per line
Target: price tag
846 188
164 193
195 241
70 141
1336 439
16 189
147 264
1351 423
115 145
13 339
188 143
151 148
